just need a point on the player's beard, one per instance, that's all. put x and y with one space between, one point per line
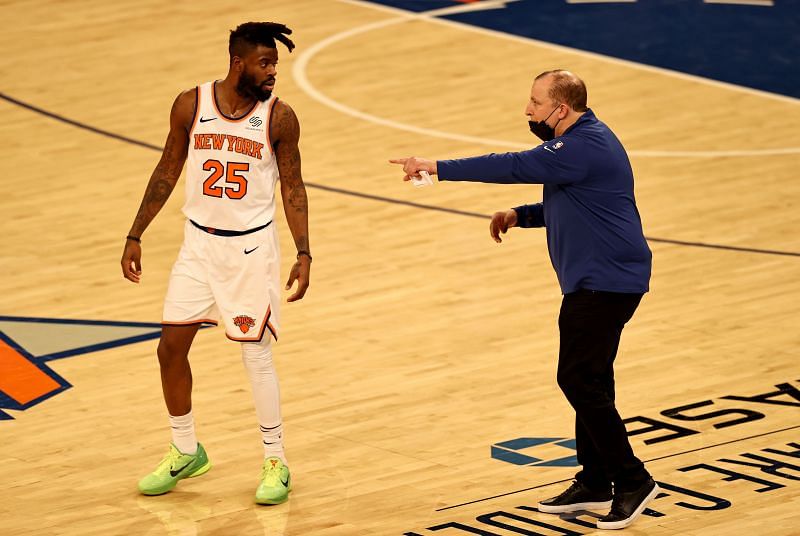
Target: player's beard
247 87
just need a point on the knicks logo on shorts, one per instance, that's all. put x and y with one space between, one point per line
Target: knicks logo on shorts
244 322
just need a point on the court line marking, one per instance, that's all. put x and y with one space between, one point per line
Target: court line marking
300 67
78 124
578 51
373 197
645 461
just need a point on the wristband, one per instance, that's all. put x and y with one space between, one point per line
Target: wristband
134 238
306 253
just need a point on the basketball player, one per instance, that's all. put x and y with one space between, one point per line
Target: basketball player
240 140
601 258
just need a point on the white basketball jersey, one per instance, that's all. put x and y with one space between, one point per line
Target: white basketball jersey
231 171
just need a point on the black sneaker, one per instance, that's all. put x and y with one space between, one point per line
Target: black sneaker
628 505
576 497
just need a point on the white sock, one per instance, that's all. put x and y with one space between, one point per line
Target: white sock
257 359
183 433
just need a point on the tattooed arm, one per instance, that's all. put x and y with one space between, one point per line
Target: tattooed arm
162 181
285 130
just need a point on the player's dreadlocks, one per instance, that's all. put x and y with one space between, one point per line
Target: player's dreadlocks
251 34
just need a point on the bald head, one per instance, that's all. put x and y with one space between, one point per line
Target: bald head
565 87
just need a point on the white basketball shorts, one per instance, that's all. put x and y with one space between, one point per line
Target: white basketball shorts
235 277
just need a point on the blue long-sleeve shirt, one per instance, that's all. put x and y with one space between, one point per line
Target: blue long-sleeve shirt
594 231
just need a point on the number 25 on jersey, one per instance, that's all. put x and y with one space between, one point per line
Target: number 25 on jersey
235 184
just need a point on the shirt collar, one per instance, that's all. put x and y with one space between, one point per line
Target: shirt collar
587 117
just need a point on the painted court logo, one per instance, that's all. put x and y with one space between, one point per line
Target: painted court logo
550 451
28 346
244 322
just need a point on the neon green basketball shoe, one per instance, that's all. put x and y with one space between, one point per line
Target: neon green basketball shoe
175 466
276 482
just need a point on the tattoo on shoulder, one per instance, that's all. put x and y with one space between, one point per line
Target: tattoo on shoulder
284 128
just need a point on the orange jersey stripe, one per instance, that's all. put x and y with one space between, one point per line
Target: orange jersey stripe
196 110
189 322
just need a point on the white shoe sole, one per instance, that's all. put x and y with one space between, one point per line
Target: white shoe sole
612 525
569 508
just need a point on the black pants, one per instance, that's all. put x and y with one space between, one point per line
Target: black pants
591 324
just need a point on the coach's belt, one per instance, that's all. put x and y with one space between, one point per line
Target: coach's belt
225 232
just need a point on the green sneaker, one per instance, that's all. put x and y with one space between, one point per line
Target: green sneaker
175 466
276 482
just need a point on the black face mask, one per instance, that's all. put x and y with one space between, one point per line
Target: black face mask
544 131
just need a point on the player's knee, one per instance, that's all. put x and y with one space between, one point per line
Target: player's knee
170 353
257 357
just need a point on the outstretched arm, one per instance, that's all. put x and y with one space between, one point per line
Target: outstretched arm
162 181
562 163
285 130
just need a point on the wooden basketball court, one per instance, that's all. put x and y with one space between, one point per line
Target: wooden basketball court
422 347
